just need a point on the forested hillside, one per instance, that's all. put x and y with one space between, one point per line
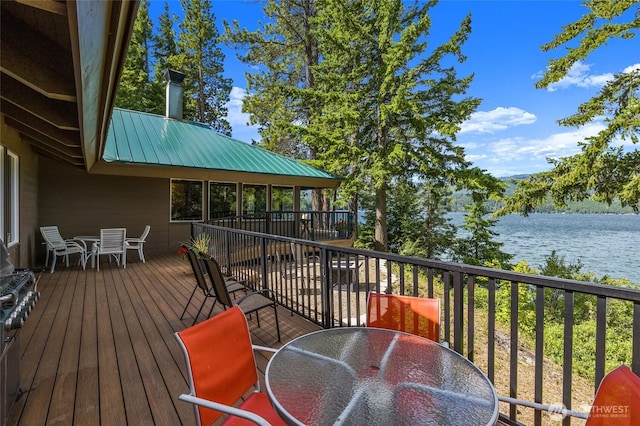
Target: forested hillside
462 198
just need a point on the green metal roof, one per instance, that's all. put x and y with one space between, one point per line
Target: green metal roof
149 139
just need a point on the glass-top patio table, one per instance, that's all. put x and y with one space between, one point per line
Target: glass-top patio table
371 376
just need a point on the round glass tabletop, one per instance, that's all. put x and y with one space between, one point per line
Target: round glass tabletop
371 376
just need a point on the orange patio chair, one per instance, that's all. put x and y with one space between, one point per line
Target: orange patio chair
415 315
222 369
617 400
615 403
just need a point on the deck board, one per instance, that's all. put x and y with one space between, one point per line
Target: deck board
98 349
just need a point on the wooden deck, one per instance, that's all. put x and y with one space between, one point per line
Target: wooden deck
98 349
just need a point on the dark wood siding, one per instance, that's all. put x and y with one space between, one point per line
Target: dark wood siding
80 204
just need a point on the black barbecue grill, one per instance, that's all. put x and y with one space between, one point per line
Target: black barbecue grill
18 296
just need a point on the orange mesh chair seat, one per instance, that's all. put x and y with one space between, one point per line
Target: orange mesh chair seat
415 315
222 369
617 400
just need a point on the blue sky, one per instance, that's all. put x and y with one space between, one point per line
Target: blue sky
514 130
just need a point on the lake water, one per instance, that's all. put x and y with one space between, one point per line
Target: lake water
604 244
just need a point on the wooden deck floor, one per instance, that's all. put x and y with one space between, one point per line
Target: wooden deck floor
98 349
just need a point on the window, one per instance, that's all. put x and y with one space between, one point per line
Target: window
186 200
13 176
222 200
9 197
254 199
281 199
3 201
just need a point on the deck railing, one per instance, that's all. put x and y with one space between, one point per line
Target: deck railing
307 225
328 285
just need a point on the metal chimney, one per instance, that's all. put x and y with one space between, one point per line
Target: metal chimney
174 94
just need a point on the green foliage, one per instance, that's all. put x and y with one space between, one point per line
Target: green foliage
281 87
417 222
603 170
201 59
479 246
165 49
136 90
463 198
390 108
619 317
194 51
354 86
199 245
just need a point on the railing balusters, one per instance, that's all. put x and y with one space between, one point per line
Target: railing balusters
568 353
601 336
513 349
447 307
539 352
491 328
458 316
253 256
635 351
470 316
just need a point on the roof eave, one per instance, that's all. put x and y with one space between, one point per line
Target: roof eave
153 171
103 27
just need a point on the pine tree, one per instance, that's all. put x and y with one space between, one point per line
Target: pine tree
201 59
134 90
391 108
165 51
283 53
603 170
479 246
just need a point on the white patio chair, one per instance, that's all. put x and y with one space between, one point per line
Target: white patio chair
137 243
113 242
58 246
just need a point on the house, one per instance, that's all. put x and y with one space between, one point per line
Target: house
70 159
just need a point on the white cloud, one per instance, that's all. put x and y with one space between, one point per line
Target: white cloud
239 120
630 68
579 76
235 116
475 157
554 146
496 120
516 155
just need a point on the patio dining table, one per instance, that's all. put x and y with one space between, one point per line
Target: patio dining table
88 241
371 376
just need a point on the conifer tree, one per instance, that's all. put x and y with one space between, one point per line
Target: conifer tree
602 170
479 247
164 43
391 105
165 52
135 88
201 59
283 53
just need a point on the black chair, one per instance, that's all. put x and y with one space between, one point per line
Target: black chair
249 303
201 283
